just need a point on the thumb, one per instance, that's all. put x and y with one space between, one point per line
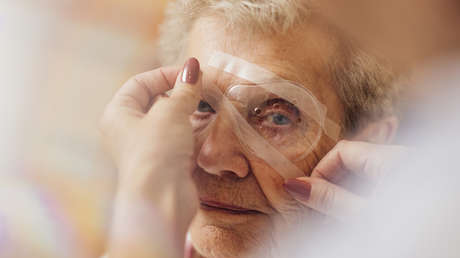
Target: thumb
325 197
186 93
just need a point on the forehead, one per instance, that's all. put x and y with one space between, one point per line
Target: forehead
300 55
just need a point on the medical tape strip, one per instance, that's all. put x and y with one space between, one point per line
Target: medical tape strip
256 74
249 136
266 151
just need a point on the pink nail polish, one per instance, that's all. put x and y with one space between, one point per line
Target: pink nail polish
191 71
298 189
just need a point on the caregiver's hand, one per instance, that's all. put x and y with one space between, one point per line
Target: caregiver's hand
150 138
348 168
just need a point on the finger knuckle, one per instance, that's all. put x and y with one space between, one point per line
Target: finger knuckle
137 79
141 81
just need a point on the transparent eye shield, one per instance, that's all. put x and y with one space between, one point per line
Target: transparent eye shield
277 120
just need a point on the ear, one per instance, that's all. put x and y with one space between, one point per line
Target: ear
380 132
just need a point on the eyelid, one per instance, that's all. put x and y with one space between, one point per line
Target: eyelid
282 108
207 106
201 118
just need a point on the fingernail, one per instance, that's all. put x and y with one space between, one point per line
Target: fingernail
298 189
191 71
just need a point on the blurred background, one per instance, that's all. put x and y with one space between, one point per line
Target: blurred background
61 62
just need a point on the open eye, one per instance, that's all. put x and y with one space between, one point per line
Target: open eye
276 113
278 119
204 107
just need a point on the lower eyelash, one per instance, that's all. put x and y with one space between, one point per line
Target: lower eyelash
201 117
272 130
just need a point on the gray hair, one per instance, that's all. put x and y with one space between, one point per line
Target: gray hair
365 86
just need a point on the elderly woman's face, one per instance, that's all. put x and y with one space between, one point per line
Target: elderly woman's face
243 203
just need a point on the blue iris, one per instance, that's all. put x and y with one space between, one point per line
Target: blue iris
280 119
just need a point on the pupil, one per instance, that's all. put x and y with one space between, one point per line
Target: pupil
280 119
203 106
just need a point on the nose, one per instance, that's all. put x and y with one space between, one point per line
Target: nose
221 152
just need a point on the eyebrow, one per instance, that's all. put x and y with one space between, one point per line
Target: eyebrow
241 68
286 71
280 74
224 82
237 80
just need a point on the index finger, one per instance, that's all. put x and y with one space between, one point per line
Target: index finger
138 92
365 160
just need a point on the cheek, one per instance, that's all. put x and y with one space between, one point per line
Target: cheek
289 211
309 163
271 184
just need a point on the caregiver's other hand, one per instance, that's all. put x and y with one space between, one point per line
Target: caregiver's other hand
150 138
335 187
